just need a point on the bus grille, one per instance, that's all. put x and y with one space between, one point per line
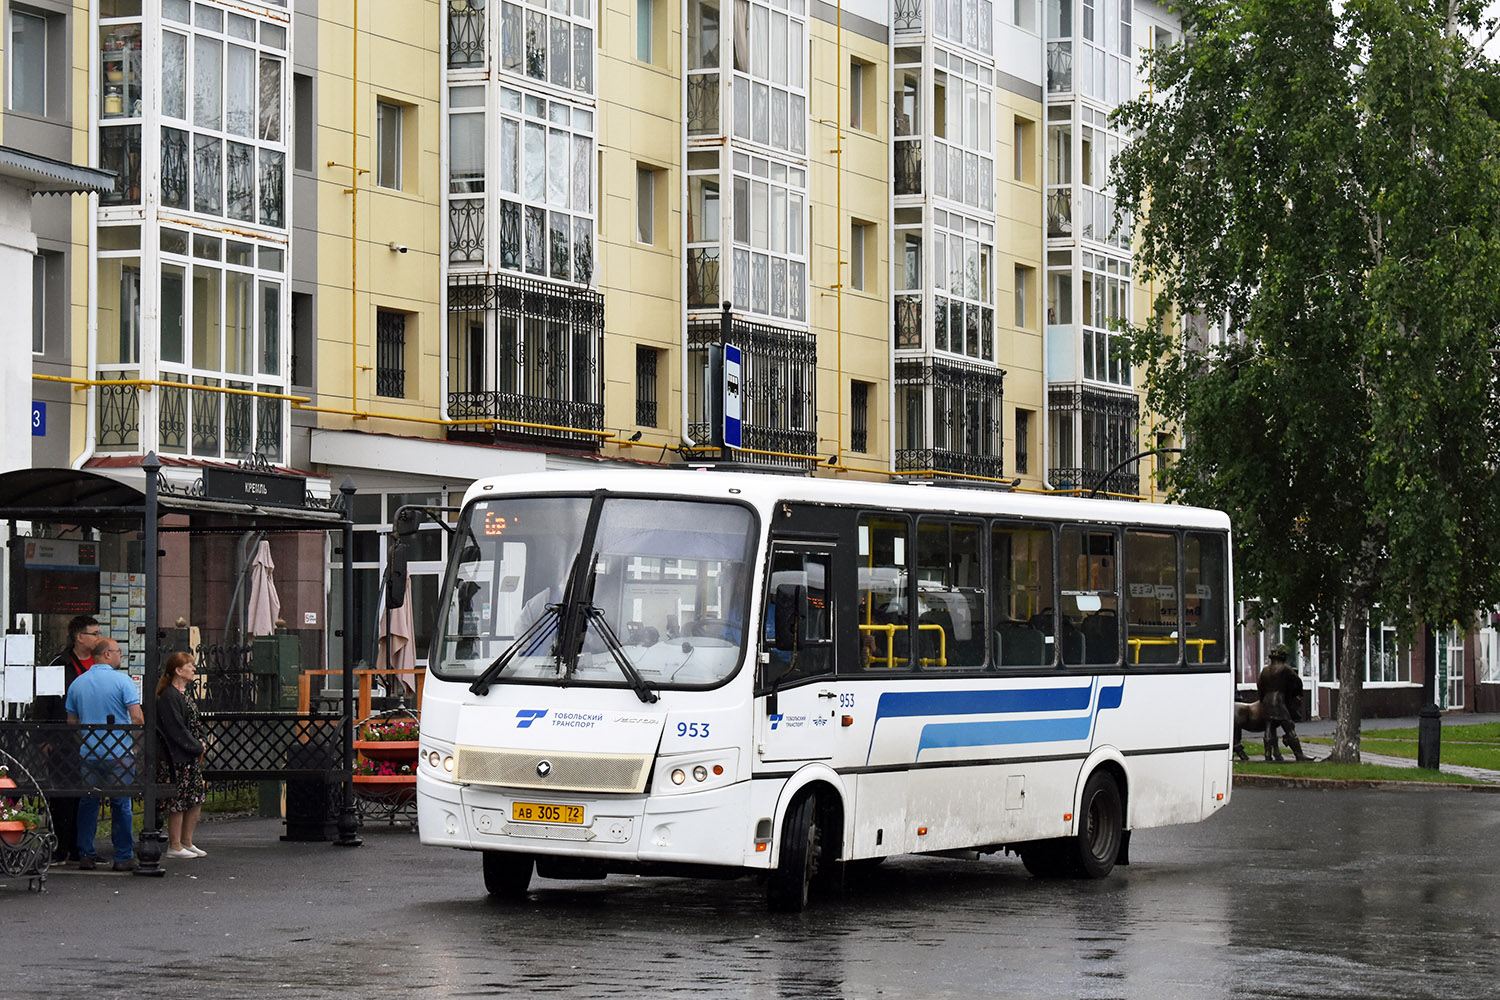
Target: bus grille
563 772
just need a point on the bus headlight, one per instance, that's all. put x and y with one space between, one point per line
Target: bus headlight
678 777
696 772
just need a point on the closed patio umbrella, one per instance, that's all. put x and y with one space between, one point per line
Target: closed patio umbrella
398 640
265 605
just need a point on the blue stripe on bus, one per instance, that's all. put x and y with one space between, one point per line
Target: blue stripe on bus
983 734
1001 732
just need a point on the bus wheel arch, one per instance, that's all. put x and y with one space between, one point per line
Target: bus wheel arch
1099 822
809 843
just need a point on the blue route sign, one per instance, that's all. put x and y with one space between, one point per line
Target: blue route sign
731 396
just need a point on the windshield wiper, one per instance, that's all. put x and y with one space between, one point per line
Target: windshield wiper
524 641
588 614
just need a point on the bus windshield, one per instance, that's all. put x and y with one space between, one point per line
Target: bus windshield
666 588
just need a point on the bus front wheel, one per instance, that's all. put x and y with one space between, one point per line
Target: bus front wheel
790 881
507 875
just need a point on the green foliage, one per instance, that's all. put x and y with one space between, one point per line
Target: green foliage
1351 772
1324 189
1484 732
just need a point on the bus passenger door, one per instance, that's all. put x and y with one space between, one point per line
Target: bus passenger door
797 701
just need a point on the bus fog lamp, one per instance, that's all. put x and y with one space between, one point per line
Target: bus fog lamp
700 773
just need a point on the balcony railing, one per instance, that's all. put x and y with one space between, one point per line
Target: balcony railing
967 404
703 104
1059 67
1060 212
1108 423
908 166
778 390
528 354
908 15
195 418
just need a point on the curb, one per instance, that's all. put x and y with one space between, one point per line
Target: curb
1292 781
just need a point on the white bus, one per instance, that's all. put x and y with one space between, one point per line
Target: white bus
715 673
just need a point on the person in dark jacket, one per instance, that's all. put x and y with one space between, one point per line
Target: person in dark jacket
181 752
62 749
1281 704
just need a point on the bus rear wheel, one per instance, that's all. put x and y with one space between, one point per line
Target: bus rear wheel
507 875
790 882
1101 827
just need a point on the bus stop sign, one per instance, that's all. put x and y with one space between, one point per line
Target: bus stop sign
731 396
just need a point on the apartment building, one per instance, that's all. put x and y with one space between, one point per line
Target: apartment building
406 244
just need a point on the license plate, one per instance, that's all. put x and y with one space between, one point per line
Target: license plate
542 812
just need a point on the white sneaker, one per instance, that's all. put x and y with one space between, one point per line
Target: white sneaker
200 852
180 853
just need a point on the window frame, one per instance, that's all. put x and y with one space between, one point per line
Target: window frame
390 128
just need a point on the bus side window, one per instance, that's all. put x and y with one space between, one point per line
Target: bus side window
1205 589
1022 595
884 612
1089 625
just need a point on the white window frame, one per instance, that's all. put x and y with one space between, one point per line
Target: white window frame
645 205
390 123
39 80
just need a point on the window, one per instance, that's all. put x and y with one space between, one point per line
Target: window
388 145
1023 442
884 617
647 365
645 205
861 95
645 30
1386 660
1152 597
1022 596
1023 294
861 241
1090 631
303 121
859 416
950 593
390 354
33 62
303 339
1449 684
1023 14
1489 653
1025 150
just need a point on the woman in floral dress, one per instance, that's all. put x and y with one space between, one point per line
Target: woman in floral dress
180 737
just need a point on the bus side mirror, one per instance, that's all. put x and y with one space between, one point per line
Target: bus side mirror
395 579
791 610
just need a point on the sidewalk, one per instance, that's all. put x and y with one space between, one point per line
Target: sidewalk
1370 729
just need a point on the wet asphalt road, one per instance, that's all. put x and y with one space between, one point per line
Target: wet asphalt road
1288 893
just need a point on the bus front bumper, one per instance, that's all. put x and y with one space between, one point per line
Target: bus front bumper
683 828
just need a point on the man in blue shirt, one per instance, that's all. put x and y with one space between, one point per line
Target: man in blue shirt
105 696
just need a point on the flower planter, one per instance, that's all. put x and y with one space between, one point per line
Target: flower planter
402 751
11 832
396 789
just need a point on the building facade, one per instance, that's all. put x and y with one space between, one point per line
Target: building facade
409 244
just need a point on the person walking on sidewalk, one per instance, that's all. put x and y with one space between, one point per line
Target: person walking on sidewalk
1281 705
103 697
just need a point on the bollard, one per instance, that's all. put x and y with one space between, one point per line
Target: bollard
1429 737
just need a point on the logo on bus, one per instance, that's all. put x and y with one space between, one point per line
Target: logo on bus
775 721
543 769
526 716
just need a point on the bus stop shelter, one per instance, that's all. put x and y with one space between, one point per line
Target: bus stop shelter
304 747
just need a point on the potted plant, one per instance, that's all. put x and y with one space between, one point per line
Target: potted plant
389 781
15 820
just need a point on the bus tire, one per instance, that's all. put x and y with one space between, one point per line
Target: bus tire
790 882
1101 821
507 875
1046 858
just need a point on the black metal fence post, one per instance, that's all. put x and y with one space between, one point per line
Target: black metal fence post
148 845
348 818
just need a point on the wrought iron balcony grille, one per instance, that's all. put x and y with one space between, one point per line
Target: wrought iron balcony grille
778 390
465 34
908 15
526 351
1108 427
968 403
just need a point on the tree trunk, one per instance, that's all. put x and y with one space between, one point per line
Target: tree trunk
1351 686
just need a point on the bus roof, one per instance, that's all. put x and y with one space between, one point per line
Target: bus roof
762 490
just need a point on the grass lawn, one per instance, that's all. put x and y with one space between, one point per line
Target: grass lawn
1345 772
1488 732
1453 751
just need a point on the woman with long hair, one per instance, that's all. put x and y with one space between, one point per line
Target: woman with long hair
180 761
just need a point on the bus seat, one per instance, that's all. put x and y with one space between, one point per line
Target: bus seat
1017 644
1101 634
